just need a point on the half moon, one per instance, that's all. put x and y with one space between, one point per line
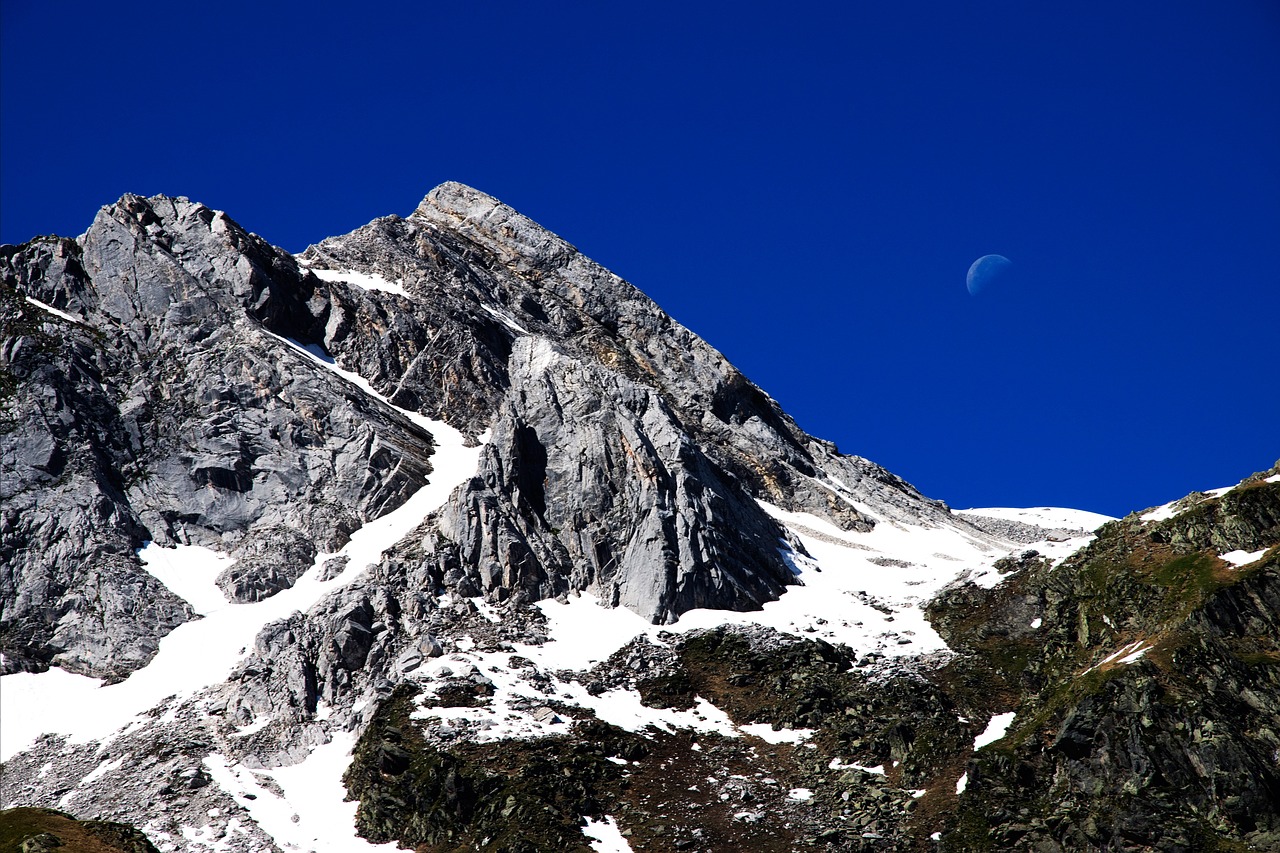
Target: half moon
985 270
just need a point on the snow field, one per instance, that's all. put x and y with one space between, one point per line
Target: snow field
605 837
201 653
1044 516
189 572
311 815
879 611
1128 654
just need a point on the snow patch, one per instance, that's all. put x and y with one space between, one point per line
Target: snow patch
1131 653
837 764
605 837
1243 558
365 281
189 572
623 709
585 632
802 795
506 319
102 769
1044 516
54 311
962 783
1037 622
995 729
1161 513
768 734
1181 505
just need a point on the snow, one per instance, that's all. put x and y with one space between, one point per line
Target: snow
1135 655
842 588
101 770
837 764
844 598
506 319
995 730
189 571
766 733
605 837
1274 478
622 708
500 719
54 311
253 728
1161 513
1037 622
1128 654
962 783
365 281
1173 508
585 632
1044 516
311 815
205 838
1243 558
203 652
802 795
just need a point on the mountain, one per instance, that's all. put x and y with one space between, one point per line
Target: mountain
441 534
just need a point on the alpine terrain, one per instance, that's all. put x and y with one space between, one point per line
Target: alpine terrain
440 536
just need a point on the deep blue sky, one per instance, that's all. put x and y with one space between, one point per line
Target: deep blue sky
805 185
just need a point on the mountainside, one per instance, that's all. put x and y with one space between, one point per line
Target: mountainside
442 517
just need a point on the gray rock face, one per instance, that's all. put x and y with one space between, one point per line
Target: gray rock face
653 447
169 413
590 483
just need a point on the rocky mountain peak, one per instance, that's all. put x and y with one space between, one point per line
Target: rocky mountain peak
483 218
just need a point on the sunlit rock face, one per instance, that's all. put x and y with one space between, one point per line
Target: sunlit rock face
171 410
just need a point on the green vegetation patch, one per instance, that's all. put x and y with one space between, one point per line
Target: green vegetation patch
40 830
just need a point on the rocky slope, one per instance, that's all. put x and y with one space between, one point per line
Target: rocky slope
370 498
1148 702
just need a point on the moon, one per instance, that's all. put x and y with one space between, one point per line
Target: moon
984 271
